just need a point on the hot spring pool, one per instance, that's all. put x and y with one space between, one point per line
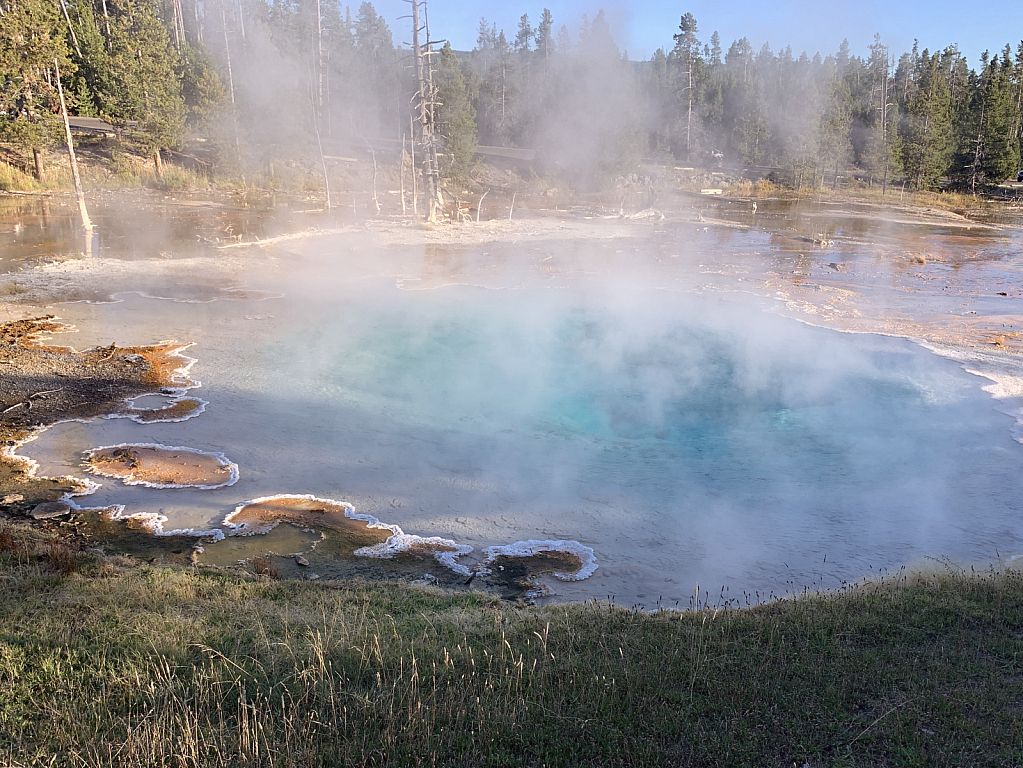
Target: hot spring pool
686 439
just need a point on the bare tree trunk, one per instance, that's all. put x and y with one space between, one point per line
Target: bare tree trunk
230 80
74 37
198 21
401 176
415 194
241 20
158 162
177 35
179 22
479 206
86 221
689 119
326 90
319 56
425 117
373 154
227 51
432 104
37 157
323 161
106 20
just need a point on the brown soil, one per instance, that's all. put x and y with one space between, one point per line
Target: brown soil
41 385
158 466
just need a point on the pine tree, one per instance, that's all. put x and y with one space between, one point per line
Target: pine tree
564 41
657 87
490 88
1001 156
744 108
376 69
833 147
456 119
988 151
926 126
524 36
878 118
201 87
33 38
143 83
598 42
544 37
714 53
688 66
91 77
1017 95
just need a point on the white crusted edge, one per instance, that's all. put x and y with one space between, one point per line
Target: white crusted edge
174 399
403 542
230 465
533 547
397 542
179 376
143 294
241 529
152 522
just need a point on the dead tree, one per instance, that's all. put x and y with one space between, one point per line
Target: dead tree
79 193
230 82
424 103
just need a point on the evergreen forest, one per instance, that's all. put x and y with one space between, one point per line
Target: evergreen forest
254 80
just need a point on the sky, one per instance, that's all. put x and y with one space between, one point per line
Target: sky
811 25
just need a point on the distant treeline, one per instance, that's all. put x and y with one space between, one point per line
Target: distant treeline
259 79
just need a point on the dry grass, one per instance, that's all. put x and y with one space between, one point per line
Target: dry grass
264 565
62 557
122 171
956 202
11 289
7 539
15 546
747 188
183 668
13 179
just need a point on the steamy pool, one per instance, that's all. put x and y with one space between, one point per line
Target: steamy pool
686 438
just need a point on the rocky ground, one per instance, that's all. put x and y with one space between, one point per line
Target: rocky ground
44 384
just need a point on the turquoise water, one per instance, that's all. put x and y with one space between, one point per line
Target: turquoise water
737 389
687 439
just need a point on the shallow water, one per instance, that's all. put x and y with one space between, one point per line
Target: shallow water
284 540
136 225
639 396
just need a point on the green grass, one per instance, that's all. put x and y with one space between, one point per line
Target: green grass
106 665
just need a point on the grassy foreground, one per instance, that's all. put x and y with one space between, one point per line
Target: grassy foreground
106 665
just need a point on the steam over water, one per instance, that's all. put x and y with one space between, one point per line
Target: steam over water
685 438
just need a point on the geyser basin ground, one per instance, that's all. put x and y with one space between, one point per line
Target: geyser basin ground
686 439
